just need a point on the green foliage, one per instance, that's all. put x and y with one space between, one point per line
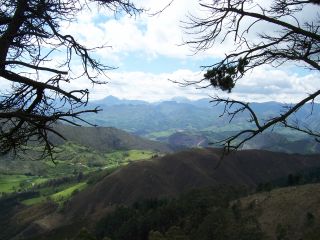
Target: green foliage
295 179
32 201
310 219
74 167
12 183
199 214
224 76
265 187
281 232
99 175
70 159
68 192
160 134
307 176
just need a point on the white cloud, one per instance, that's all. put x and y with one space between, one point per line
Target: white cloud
154 36
276 84
147 86
263 84
160 36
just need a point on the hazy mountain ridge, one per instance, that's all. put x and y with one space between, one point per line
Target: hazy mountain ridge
200 118
171 175
146 118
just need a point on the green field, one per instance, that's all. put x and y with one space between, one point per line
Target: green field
68 192
69 158
32 201
12 183
58 197
73 167
160 134
123 157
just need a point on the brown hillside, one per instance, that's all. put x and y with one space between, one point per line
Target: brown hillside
288 209
176 173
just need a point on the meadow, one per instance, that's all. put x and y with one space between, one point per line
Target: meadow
73 168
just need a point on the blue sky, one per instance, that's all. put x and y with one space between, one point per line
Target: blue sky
147 52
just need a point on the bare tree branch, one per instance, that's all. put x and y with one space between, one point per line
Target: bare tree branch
30 39
289 40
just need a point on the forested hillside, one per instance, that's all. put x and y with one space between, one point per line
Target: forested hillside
156 181
159 120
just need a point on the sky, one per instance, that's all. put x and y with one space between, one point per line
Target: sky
149 55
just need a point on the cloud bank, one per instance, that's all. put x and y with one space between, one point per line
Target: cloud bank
138 43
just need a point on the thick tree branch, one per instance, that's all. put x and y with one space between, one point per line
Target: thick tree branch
11 76
248 134
36 67
30 37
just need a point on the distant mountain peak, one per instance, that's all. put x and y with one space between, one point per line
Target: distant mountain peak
112 100
110 97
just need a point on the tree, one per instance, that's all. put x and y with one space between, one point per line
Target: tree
289 40
84 234
31 37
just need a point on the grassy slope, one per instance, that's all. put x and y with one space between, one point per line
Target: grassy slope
293 212
71 159
106 139
11 183
47 181
68 192
91 149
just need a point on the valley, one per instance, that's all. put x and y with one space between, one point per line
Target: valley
159 120
100 173
185 123
74 164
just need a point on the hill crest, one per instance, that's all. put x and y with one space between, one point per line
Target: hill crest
186 170
106 139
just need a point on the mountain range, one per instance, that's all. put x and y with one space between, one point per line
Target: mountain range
183 122
103 169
